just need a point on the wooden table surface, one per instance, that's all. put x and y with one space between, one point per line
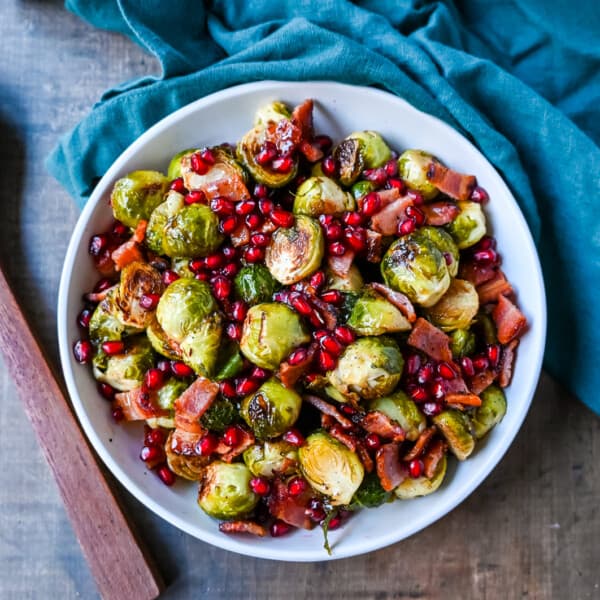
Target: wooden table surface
531 530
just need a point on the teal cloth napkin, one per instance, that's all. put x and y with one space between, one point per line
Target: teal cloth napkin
520 78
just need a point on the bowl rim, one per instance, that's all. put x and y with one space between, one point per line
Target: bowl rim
215 537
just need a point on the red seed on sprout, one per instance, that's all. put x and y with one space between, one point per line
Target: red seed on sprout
253 221
485 256
239 310
197 164
325 219
432 408
149 301
207 444
234 331
317 279
228 225
329 166
266 154
221 287
294 437
232 435
297 356
151 453
416 197
373 441
437 390
214 261
222 207
154 379
416 214
180 369
353 219
230 270
279 528
356 239
245 207
446 370
169 277
283 164
394 182
253 254
407 226
177 185
227 388
113 347
260 239
246 385
164 365
371 204
344 334
332 297
202 276
326 361
331 345
337 249
265 207
260 190
391 168
415 468
103 284
302 305
335 523
195 197
196 264
466 365
493 354
166 475
418 394
282 218
333 231
107 391
259 373
119 229
207 156
377 176
425 373
296 486
260 486
480 363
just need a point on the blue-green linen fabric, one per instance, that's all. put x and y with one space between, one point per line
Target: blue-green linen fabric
520 78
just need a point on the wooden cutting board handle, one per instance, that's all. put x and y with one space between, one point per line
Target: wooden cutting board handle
119 564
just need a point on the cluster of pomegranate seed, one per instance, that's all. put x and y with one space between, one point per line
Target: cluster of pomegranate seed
153 454
102 245
345 234
269 157
484 252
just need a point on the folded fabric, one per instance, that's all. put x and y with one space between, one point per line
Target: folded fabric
520 79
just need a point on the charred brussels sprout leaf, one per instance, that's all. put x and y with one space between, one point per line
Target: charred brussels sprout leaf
155 232
456 308
372 314
331 468
220 415
296 252
370 494
462 342
160 341
422 486
349 160
362 188
491 411
413 166
136 195
360 150
445 244
188 467
255 284
271 459
170 391
108 322
399 407
456 428
271 410
322 196
271 331
469 226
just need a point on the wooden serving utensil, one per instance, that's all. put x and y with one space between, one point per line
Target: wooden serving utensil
118 562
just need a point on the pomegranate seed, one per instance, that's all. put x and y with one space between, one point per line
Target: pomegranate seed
265 207
102 285
230 270
232 435
391 168
394 182
166 475
195 197
234 331
197 164
266 154
348 410
432 408
416 197
151 453
113 347
222 207
196 264
317 280
239 310
485 243
297 356
331 345
413 364
229 252
228 225
98 243
324 142
296 486
416 214
117 414
214 261
480 363
407 226
480 195
107 391
177 185
329 166
169 277
253 254
154 437
260 239
335 523
294 437
260 486
371 204
245 207
207 156
352 219
344 334
467 366
332 297
356 239
337 249
282 218
333 231
154 379
315 514
207 444
377 176
446 370
246 385
119 229
164 365
437 390
302 306
149 301
415 468
180 369
283 164
425 373
84 317
203 276
279 528
493 354
253 221
327 362
373 441
260 373
227 388
325 219
320 333
261 190
448 258
221 287
418 394
485 256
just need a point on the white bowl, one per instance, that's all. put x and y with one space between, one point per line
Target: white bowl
340 109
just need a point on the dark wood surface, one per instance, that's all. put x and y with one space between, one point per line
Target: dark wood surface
531 530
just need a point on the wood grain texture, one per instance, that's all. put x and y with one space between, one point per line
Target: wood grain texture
531 530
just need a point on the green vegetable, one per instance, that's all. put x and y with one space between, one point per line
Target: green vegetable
360 150
372 314
230 361
254 284
220 415
160 217
351 282
160 341
322 196
200 347
189 467
462 342
491 411
174 170
456 428
469 226
487 328
181 266
370 494
399 407
445 244
170 391
136 195
107 322
362 188
422 486
457 308
272 458
413 166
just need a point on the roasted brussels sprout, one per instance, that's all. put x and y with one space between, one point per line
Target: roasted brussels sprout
462 342
200 347
370 367
272 458
229 361
491 411
372 314
181 266
422 486
170 391
443 240
155 232
271 410
469 226
271 113
360 150
413 166
415 266
456 428
107 322
399 407
174 170
188 467
160 341
271 331
125 371
225 490
330 467
362 188
456 308
255 284
352 282
136 195
220 415
322 196
296 252
370 494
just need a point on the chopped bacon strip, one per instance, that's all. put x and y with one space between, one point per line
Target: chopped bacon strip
390 470
377 422
454 184
421 443
291 509
386 221
476 273
374 246
492 289
327 421
327 311
340 265
240 236
126 253
365 457
193 403
482 381
464 399
302 117
456 385
328 409
435 453
289 374
510 321
230 452
99 296
138 405
184 442
341 436
285 134
398 299
431 340
440 213
140 231
506 364
243 527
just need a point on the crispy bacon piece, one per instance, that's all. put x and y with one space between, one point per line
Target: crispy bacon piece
421 443
510 321
243 527
327 421
390 470
291 509
456 385
340 435
440 213
228 453
377 422
386 220
340 265
435 453
482 381
398 299
184 442
302 117
374 246
289 374
365 457
506 363
328 409
140 231
285 134
126 253
453 184
495 287
431 340
240 236
328 312
138 405
476 273
193 403
463 399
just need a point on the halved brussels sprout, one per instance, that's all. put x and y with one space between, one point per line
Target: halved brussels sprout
107 322
254 284
462 342
155 232
330 467
422 486
225 491
351 282
370 367
399 407
456 428
360 150
271 410
413 166
271 331
491 411
200 347
372 314
296 252
170 391
415 266
174 170
370 494
443 240
272 458
322 196
160 341
362 188
125 371
188 467
220 415
469 226
136 195
271 113
456 308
